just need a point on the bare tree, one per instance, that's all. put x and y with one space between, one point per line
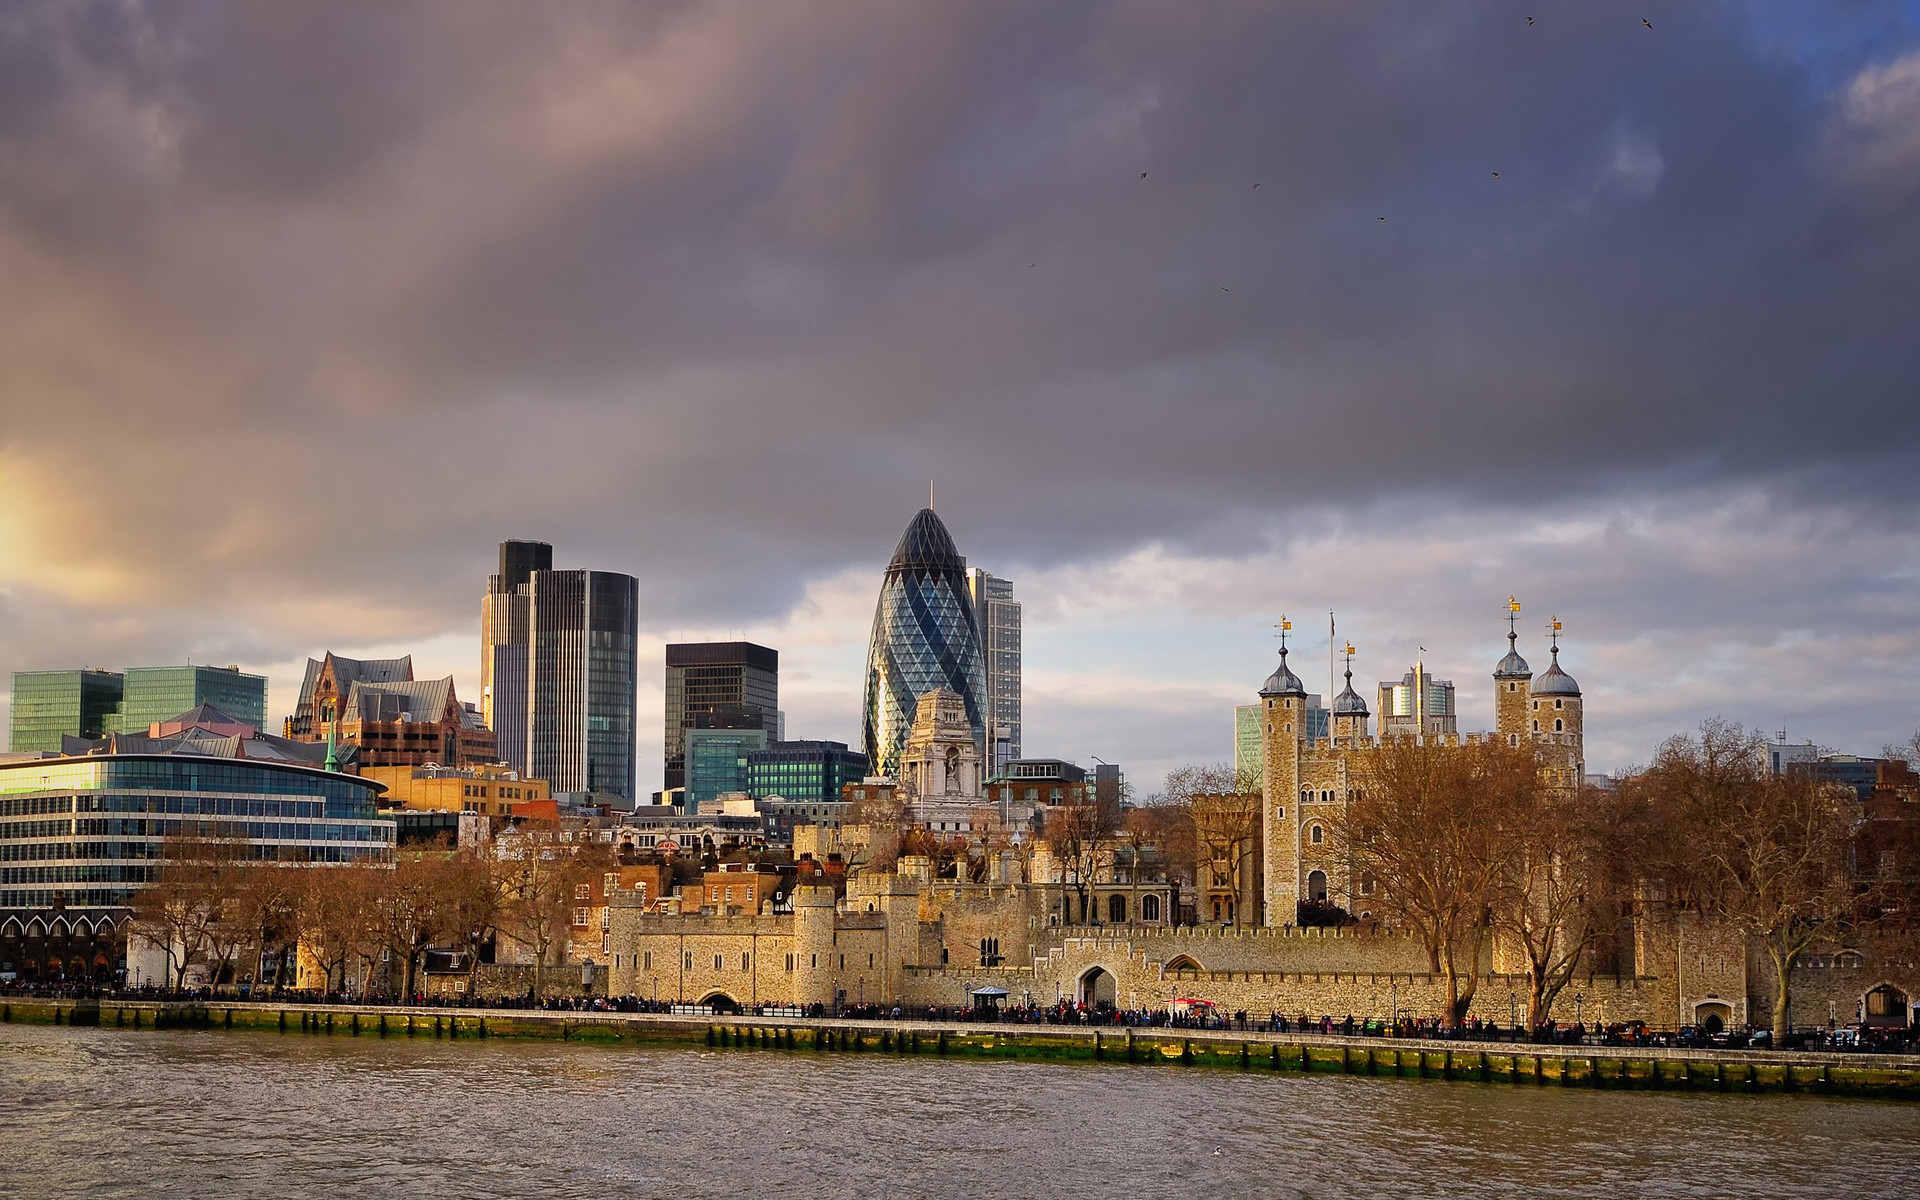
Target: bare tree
181 910
1079 835
1768 854
336 917
1429 831
540 878
266 903
1556 879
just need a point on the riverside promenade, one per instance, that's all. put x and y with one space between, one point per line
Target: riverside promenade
1885 1076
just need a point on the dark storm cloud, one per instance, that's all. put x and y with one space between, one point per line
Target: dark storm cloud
706 292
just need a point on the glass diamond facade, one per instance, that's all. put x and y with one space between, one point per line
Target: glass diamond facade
924 636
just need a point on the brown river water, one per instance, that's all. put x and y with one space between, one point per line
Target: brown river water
98 1113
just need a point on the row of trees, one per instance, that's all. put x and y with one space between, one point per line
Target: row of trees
367 925
1461 843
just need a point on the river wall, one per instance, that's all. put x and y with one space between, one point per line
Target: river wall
1623 1068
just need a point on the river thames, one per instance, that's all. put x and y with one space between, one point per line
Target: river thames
93 1112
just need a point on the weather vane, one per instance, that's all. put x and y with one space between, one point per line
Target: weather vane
1513 614
1284 627
1553 633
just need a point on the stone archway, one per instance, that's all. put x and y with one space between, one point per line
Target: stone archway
1712 1016
1097 988
720 1002
1886 1007
1317 886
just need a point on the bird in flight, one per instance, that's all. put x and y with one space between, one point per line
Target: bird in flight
1226 289
1143 174
1383 220
1647 23
1256 187
1529 20
1496 174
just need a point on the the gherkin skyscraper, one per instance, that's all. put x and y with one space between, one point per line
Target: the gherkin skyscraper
925 636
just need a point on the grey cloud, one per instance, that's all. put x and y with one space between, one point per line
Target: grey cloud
707 292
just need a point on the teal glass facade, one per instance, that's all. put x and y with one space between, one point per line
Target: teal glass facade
163 693
49 705
925 636
804 772
89 833
717 761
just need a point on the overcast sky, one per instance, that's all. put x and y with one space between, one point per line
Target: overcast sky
1198 313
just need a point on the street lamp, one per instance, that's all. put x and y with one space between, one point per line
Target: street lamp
1393 989
1577 998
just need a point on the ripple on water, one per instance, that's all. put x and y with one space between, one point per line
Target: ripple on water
96 1113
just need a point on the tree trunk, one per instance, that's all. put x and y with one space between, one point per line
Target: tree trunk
1536 997
1782 969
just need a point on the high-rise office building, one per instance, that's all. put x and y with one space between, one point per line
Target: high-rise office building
504 625
804 772
49 705
924 636
90 703
582 670
998 615
1249 747
717 761
718 685
1418 704
155 694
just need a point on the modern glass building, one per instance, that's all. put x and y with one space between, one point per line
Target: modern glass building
80 836
505 614
924 636
163 693
49 705
717 762
583 667
998 616
804 772
718 685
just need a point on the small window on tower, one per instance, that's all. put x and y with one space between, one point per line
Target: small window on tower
1557 725
1559 704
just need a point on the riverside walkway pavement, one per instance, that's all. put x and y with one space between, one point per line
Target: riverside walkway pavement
1617 1067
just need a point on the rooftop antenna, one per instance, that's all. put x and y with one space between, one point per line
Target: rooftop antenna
929 493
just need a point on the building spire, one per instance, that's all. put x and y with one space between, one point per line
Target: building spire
333 734
929 493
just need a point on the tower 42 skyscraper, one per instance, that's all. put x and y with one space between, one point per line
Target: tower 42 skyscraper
925 636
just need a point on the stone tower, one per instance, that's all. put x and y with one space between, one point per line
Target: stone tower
1512 687
1556 722
814 911
1283 712
1349 710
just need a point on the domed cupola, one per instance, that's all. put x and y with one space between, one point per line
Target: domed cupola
1283 682
1555 682
1348 703
1513 666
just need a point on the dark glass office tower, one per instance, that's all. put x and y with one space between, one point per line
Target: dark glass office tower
924 636
718 685
582 671
504 639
